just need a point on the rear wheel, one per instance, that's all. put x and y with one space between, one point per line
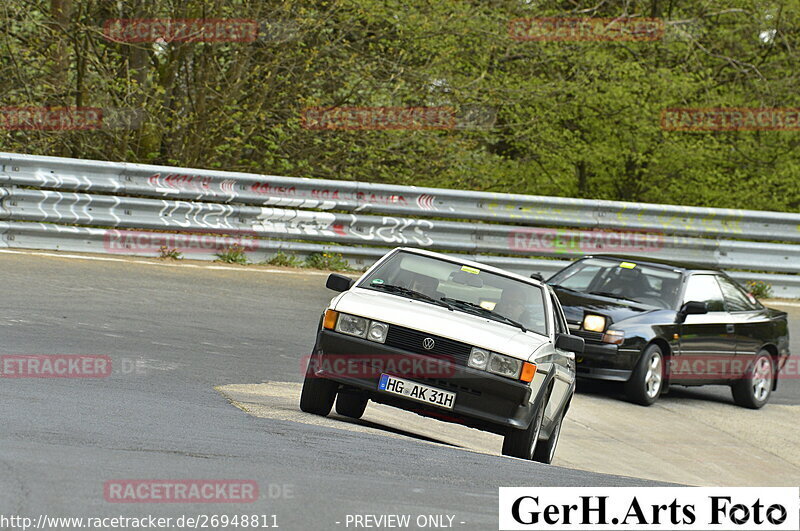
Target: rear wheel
755 387
318 394
545 451
646 382
351 404
522 443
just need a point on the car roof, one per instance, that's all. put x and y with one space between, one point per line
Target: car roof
483 267
657 262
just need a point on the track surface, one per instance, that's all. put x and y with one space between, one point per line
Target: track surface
174 333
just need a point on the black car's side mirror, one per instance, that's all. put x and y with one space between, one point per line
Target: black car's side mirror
692 308
570 343
338 282
537 276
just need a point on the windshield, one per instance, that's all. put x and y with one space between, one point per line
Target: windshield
622 280
461 288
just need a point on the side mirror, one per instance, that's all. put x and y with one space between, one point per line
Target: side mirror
537 276
570 343
338 282
692 308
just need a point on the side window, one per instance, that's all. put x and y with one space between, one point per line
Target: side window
704 288
735 299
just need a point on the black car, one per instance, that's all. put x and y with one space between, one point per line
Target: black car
656 323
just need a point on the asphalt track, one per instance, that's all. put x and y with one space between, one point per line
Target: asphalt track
174 333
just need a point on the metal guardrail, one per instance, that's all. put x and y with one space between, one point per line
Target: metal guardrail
41 199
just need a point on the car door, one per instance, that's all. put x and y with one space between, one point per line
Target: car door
750 320
705 340
563 363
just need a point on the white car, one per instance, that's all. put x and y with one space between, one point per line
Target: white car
451 339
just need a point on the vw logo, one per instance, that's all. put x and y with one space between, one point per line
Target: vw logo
428 343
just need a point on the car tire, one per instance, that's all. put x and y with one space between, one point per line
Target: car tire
545 450
523 443
318 393
647 381
351 404
754 388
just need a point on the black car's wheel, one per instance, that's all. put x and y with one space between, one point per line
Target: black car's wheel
522 443
318 393
755 386
545 451
351 404
647 380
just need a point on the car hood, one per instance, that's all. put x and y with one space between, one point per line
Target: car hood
438 320
577 304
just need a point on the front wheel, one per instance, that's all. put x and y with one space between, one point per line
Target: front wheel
755 387
545 451
646 382
351 404
522 443
318 394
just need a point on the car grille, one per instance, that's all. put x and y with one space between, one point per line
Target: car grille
411 340
586 334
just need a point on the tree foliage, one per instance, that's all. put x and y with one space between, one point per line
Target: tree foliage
578 119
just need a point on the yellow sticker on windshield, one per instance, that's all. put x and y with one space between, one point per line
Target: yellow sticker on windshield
627 265
469 269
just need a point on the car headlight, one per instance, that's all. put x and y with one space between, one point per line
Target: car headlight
352 325
377 332
478 358
594 323
503 365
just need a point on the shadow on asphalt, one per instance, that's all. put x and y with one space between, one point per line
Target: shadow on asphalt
389 429
720 394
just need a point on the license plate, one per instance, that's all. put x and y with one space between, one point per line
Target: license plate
417 391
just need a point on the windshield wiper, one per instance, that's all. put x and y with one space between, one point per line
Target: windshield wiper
392 288
483 311
559 286
612 296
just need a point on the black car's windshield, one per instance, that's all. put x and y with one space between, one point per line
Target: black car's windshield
625 281
461 288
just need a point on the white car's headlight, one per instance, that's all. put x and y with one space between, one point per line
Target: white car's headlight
504 366
352 325
377 331
478 358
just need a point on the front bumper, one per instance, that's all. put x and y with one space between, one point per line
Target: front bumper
603 361
483 400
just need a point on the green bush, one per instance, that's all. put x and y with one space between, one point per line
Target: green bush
233 255
282 259
169 253
759 289
327 261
